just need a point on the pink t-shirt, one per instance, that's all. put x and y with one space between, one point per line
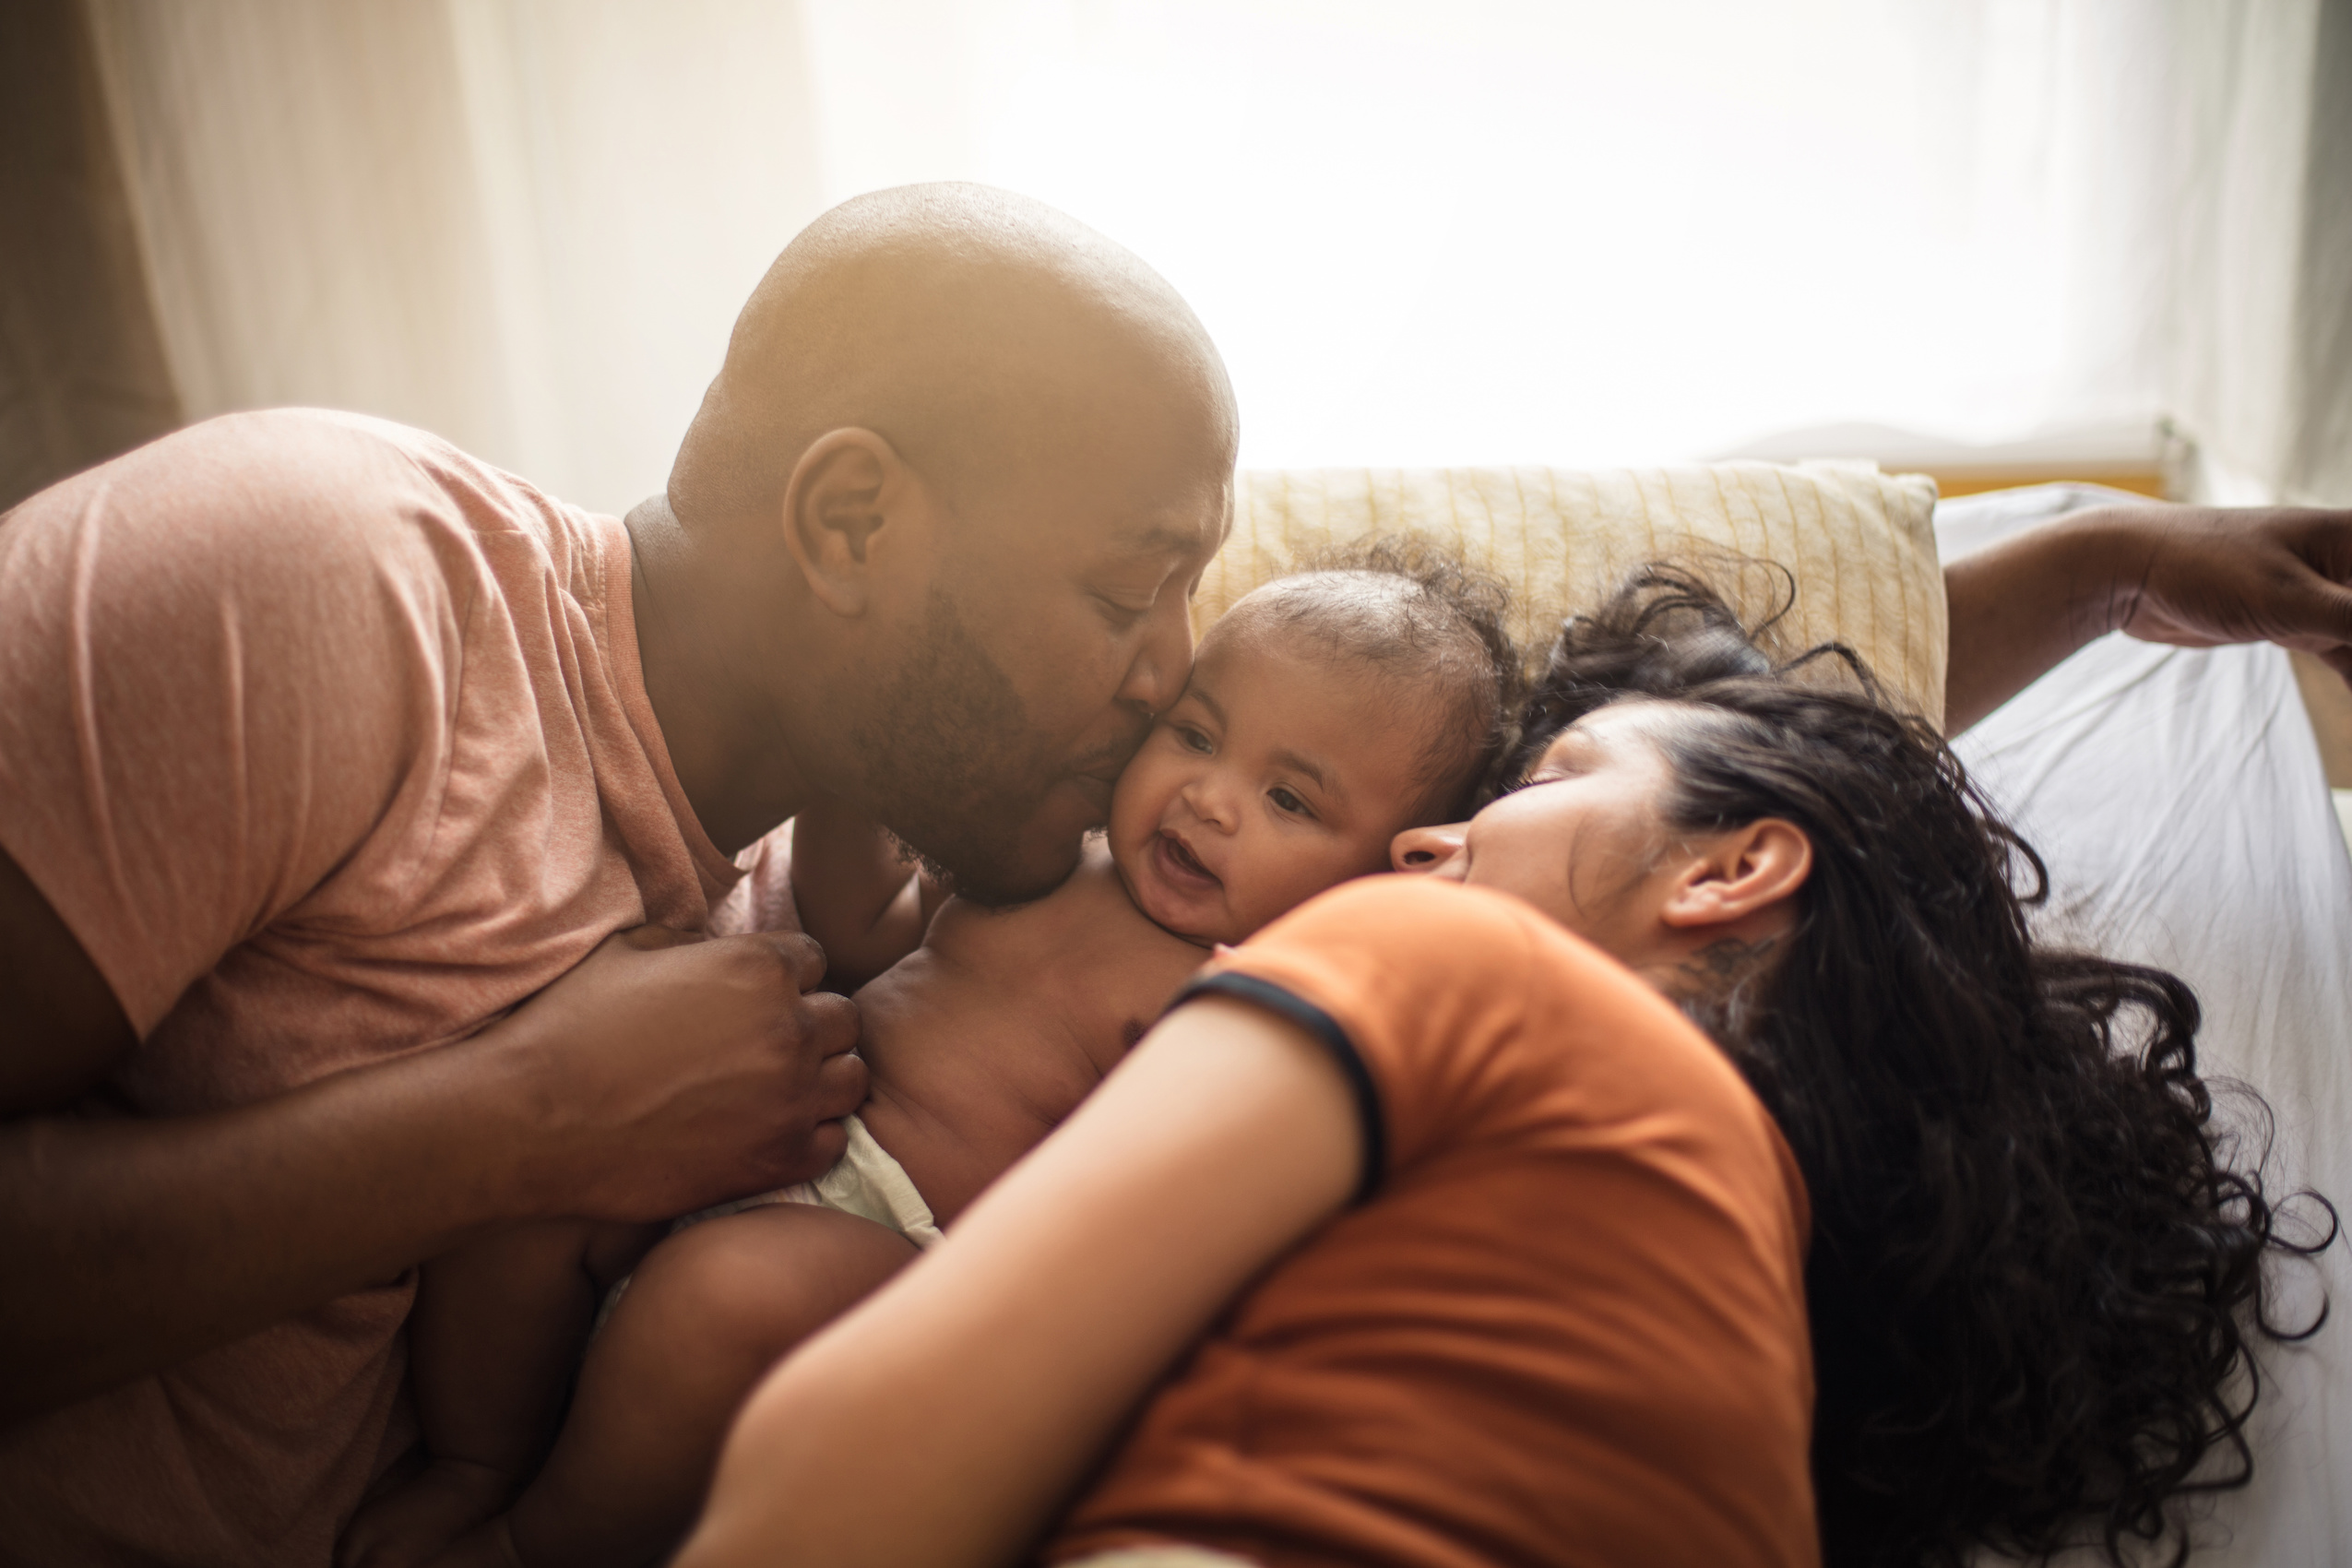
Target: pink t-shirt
330 743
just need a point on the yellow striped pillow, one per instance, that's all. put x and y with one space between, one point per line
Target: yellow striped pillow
1859 543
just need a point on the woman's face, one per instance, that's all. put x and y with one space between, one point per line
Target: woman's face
1582 840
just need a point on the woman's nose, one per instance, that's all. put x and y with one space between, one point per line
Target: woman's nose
1426 848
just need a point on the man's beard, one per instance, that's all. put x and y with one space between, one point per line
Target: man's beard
951 767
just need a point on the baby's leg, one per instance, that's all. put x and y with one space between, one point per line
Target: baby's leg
707 1312
495 1335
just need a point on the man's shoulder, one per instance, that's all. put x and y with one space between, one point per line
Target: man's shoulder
281 509
260 452
309 560
291 439
275 475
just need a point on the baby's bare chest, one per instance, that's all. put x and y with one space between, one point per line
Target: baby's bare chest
988 1036
1068 981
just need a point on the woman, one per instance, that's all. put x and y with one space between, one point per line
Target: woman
1463 1247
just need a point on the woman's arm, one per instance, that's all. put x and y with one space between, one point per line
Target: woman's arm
994 1371
2193 576
866 903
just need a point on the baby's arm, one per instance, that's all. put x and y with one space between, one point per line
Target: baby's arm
858 895
498 1327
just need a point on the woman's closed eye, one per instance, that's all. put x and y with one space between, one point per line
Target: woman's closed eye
1565 758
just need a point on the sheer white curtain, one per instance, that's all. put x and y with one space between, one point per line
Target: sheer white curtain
525 224
1566 231
2258 232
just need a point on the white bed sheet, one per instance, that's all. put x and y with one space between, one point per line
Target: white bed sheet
2179 800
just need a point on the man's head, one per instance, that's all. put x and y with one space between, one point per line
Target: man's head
972 457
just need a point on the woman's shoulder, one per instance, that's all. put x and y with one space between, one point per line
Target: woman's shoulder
1434 983
1424 928
1415 970
1398 900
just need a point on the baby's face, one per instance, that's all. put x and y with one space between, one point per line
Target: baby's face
1280 772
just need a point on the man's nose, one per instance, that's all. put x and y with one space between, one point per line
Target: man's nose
1164 662
1426 848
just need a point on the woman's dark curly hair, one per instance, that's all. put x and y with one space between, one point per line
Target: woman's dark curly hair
2035 1272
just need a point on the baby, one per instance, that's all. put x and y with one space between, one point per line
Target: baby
1327 713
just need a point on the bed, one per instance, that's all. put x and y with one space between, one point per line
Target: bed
2177 797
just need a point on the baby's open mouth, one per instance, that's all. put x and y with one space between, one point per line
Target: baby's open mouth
1179 857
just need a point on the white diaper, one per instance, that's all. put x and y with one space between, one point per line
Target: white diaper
865 1181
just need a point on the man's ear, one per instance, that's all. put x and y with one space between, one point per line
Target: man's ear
851 497
1734 874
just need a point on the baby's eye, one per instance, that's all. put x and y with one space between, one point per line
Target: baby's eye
1284 801
1193 740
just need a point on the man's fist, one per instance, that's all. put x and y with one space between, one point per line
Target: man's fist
674 1072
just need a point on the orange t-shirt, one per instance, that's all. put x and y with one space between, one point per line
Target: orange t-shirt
329 743
1565 1324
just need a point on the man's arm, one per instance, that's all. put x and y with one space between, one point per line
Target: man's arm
2192 575
64 1027
659 1075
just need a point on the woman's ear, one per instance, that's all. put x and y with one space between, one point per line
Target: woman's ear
849 493
1735 874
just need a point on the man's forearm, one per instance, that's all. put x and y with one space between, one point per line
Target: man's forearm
127 1245
2023 605
660 1075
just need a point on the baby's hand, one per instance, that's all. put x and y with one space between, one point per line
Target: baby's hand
859 895
418 1520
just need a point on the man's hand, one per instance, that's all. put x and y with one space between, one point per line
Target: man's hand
2207 576
678 1072
2190 576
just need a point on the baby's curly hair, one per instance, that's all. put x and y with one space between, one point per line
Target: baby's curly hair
2037 1264
1427 625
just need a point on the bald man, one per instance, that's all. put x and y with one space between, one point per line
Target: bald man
323 746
